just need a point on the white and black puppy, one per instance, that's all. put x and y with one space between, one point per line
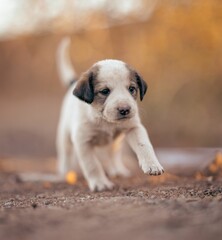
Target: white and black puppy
99 110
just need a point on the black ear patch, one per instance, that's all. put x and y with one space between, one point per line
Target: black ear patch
141 84
84 89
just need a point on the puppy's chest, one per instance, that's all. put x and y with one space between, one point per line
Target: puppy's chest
102 138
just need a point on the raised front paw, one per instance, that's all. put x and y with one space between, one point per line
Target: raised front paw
100 184
152 168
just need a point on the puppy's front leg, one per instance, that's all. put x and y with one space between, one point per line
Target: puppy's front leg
139 142
92 169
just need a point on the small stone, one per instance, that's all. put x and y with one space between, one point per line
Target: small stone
47 202
8 204
34 205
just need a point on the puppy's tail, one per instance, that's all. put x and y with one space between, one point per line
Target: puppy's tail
66 71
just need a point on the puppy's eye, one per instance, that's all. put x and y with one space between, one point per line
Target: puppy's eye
105 91
132 90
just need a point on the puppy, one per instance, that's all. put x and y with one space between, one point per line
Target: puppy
99 112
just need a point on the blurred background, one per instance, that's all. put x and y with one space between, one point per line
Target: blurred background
176 45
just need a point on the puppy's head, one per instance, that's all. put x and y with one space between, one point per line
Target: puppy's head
111 87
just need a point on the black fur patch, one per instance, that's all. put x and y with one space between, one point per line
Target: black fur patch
141 84
84 89
134 76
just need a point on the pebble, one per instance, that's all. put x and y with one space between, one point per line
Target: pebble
34 205
8 204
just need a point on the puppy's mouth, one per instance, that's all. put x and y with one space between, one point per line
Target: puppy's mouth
118 119
122 118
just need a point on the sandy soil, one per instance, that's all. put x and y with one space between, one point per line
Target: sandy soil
139 208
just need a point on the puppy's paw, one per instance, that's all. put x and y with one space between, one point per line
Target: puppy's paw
152 168
100 184
156 170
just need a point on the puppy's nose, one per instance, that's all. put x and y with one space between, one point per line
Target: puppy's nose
124 110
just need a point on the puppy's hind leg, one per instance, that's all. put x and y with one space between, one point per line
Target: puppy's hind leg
64 155
115 166
64 152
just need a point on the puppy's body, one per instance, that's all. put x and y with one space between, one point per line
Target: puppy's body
102 112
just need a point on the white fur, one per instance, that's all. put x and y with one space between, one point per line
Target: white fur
65 69
81 123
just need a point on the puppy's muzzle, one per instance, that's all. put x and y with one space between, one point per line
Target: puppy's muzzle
123 111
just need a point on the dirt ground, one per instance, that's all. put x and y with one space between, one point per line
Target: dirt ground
138 208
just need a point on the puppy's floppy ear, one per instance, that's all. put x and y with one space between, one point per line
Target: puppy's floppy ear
84 89
141 84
